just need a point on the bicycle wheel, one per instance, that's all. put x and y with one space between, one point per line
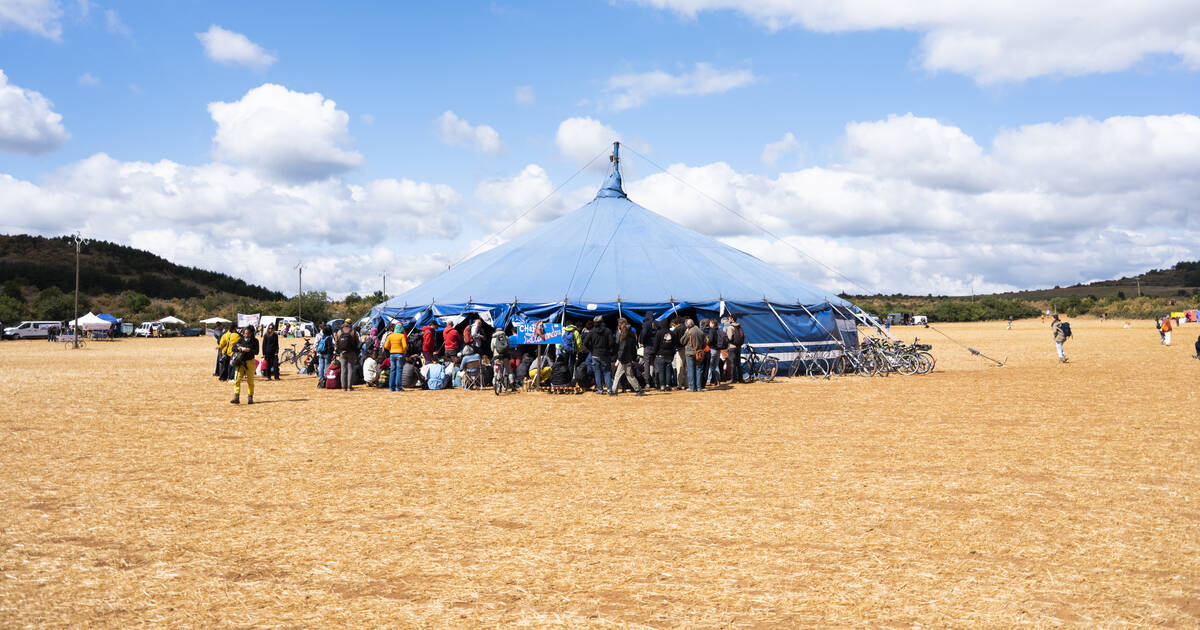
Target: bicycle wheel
796 368
817 368
498 383
769 369
906 364
747 370
928 360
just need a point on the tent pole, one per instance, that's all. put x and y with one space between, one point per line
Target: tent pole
796 343
836 338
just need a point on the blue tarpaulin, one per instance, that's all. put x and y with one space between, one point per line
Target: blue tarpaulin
612 256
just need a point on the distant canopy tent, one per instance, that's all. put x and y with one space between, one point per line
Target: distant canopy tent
91 322
216 320
112 319
171 320
612 256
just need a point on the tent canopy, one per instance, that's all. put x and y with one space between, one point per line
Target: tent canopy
614 256
91 322
112 319
171 319
215 320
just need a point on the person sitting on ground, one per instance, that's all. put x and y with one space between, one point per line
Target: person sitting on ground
435 374
560 372
453 375
371 370
411 377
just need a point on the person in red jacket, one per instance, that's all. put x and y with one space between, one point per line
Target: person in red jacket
427 343
452 339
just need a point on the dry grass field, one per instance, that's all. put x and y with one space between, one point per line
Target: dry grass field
132 493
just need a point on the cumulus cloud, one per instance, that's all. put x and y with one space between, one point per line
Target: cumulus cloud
523 95
88 79
627 91
457 132
230 48
523 201
775 151
196 214
112 22
582 138
997 40
40 17
288 134
28 122
918 205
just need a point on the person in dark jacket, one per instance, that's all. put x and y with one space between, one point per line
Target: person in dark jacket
737 337
347 343
244 351
647 336
714 353
626 354
602 345
679 331
664 353
270 350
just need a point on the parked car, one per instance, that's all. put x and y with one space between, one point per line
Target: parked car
30 330
150 329
193 332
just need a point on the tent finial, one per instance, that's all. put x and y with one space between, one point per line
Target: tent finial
612 186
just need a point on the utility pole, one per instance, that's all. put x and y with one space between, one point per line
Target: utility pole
300 291
1139 281
78 240
384 274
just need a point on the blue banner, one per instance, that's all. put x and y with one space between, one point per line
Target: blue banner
535 332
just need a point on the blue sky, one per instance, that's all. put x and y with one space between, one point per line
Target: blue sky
930 150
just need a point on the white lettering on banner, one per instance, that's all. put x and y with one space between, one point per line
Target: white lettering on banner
248 319
535 332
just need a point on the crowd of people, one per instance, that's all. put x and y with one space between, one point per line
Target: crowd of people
678 353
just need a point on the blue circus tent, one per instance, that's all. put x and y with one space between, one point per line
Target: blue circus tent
612 256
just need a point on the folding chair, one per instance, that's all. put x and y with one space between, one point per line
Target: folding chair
471 375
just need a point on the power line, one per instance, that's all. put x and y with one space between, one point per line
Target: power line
751 222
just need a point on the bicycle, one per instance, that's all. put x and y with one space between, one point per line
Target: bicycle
70 343
757 366
289 354
502 377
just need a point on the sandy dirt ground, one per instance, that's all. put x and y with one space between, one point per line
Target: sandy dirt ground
132 493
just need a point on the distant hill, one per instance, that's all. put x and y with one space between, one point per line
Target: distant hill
1182 279
108 268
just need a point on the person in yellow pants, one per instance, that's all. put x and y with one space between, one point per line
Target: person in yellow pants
245 348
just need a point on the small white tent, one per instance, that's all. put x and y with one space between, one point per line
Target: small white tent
91 322
171 320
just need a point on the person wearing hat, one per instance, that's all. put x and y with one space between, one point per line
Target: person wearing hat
245 349
396 345
347 345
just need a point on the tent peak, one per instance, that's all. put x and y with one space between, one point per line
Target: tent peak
612 185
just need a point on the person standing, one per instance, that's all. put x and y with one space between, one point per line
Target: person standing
218 333
324 354
396 345
427 343
737 337
679 332
664 353
713 337
227 340
347 345
270 350
245 349
1062 331
451 341
626 353
647 337
694 344
601 345
1167 326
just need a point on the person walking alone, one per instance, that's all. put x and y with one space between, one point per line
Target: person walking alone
396 345
1062 331
245 349
270 350
626 354
1167 326
347 345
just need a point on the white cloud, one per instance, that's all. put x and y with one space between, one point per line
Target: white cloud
519 203
230 48
87 78
582 138
920 206
784 147
28 123
998 40
627 91
196 214
457 132
40 17
115 26
288 134
523 95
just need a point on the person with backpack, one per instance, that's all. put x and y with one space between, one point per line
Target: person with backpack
1062 332
569 348
737 337
500 348
694 343
346 343
228 340
712 335
324 350
626 353
396 345
601 344
1166 330
647 336
245 349
664 354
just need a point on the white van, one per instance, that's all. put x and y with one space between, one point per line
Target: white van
149 329
30 330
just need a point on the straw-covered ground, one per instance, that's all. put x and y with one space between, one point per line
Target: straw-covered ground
133 493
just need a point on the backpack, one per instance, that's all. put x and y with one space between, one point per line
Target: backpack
323 345
499 342
345 343
738 337
722 340
568 344
1066 329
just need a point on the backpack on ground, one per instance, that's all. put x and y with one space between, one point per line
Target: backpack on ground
1066 329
